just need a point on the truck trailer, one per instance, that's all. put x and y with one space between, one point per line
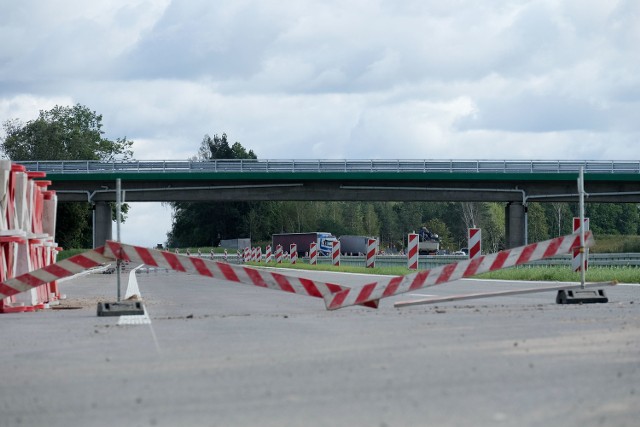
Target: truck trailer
354 245
303 241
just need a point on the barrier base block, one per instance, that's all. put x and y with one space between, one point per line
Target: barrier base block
581 296
121 308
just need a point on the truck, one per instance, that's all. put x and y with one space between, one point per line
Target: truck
354 245
303 240
235 244
428 242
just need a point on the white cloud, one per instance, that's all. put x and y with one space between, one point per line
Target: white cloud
553 79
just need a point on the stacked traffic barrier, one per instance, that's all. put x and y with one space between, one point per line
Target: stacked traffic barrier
27 234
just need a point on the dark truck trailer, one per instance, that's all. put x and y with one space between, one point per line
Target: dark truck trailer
354 245
303 240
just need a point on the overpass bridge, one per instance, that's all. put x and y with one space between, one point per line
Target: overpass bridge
513 182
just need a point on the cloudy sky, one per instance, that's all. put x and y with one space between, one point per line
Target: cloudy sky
358 79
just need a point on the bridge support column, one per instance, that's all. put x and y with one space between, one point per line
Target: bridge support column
515 225
102 224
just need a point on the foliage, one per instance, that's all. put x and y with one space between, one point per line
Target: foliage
65 133
205 223
565 274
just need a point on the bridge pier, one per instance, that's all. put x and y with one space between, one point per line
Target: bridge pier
515 224
102 224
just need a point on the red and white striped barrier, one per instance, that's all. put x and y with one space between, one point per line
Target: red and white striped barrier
313 253
475 242
293 250
247 254
335 295
576 262
448 273
372 249
279 254
412 251
267 254
220 270
335 253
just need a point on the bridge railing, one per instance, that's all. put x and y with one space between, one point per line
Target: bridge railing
332 166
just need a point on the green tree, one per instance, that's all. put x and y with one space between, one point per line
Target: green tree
438 226
537 223
205 223
493 233
65 133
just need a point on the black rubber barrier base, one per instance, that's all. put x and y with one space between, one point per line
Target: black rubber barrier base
581 296
122 308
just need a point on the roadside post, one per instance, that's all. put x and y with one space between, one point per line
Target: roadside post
581 295
119 307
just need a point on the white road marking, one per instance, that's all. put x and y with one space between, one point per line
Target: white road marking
133 289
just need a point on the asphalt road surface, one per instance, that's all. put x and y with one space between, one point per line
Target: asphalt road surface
221 354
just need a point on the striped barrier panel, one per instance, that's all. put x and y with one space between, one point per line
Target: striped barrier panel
247 254
372 248
313 253
335 253
293 251
576 262
412 251
335 295
279 254
267 254
225 255
447 273
474 242
161 259
67 267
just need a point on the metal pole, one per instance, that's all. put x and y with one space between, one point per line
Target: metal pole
118 220
581 194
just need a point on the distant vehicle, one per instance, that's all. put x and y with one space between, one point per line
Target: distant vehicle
303 241
354 245
235 244
459 253
428 242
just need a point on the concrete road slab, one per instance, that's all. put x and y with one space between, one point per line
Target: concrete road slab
221 354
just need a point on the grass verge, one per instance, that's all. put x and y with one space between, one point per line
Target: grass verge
554 274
